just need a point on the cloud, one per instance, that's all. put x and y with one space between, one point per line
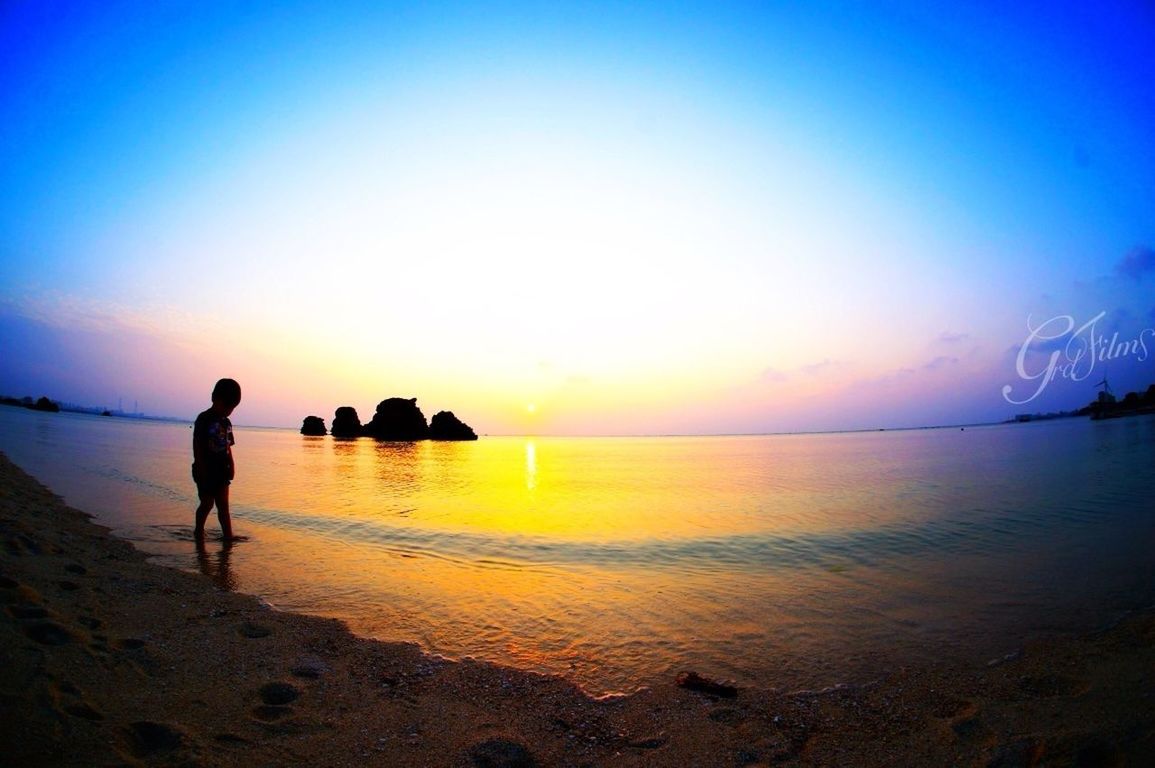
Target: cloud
1139 261
940 362
820 368
814 369
82 313
949 337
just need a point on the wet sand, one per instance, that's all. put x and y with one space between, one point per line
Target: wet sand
106 659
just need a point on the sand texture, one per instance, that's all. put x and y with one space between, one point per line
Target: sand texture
106 659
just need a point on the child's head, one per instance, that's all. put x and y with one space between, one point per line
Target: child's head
227 395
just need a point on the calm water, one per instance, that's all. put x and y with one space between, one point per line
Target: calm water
788 561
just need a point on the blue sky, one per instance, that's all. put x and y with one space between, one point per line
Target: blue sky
632 217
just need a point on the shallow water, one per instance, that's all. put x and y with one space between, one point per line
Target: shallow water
789 561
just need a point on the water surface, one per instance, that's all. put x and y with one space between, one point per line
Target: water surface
790 561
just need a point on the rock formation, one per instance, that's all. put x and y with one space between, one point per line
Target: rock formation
445 426
398 418
346 422
314 426
44 404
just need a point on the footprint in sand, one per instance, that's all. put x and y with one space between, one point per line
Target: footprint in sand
276 697
28 611
75 703
308 671
501 753
146 738
949 708
1047 686
279 693
49 633
268 713
975 731
22 545
1027 751
726 715
1096 752
83 709
254 631
231 739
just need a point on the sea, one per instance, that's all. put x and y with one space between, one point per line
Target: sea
779 561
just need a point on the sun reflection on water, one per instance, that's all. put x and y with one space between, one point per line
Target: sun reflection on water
530 465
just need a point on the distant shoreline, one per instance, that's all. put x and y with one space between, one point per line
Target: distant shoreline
1021 419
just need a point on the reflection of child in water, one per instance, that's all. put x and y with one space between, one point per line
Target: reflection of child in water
217 569
213 468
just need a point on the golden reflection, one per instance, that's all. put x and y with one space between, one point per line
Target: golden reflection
530 465
573 555
595 489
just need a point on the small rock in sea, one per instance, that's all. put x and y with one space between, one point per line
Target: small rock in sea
446 426
398 418
695 682
314 426
346 423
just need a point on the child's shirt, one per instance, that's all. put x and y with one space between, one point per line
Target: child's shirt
214 433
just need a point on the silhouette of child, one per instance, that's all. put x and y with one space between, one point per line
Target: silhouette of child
213 467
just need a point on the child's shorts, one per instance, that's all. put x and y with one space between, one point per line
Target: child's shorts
210 481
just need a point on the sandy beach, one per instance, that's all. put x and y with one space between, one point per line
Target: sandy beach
108 659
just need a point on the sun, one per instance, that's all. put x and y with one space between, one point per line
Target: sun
531 408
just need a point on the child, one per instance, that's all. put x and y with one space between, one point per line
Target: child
213 468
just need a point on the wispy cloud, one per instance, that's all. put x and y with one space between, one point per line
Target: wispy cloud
942 361
1139 261
810 370
816 369
950 337
65 310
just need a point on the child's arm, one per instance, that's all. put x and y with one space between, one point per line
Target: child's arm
199 450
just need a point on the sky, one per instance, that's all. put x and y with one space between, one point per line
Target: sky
580 218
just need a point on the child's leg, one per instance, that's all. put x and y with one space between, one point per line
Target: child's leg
206 506
223 516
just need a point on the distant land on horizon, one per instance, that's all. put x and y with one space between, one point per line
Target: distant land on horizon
1133 403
